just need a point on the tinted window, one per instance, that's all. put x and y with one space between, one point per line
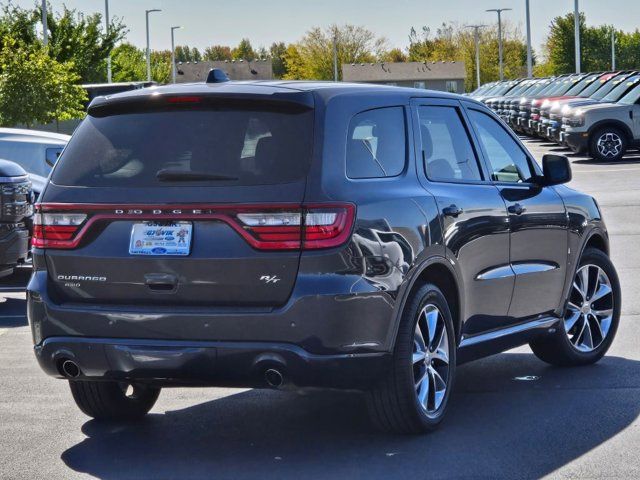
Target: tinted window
247 147
51 155
507 161
446 149
376 144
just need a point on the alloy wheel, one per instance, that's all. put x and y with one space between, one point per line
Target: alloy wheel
609 145
431 359
590 309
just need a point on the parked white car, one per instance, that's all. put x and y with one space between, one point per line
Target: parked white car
35 151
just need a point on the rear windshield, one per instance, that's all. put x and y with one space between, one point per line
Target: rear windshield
203 147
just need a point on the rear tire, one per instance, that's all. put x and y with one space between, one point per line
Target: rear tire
413 395
109 400
584 338
608 144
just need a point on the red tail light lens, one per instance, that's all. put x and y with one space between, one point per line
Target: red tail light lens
309 227
56 230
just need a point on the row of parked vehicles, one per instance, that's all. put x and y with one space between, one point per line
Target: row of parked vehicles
596 113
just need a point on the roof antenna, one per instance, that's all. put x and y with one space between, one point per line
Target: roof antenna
217 76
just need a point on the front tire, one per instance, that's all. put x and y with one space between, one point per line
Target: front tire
412 397
608 144
592 316
113 400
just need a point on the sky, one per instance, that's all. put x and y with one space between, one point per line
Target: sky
226 22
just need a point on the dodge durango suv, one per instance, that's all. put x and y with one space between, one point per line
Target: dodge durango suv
300 234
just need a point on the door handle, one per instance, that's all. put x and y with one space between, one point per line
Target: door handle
516 209
451 211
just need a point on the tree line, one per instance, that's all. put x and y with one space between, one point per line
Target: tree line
47 79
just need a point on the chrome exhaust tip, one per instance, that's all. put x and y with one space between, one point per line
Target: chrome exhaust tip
70 369
273 378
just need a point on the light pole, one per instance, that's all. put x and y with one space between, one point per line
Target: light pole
106 20
335 55
476 38
499 12
45 29
173 55
613 48
147 12
529 54
576 20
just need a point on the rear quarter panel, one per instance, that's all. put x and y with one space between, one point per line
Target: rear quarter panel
396 228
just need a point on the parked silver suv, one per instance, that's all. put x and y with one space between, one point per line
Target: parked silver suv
605 130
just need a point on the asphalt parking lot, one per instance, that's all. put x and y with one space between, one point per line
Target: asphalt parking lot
512 416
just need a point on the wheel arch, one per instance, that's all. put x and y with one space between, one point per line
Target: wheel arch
597 240
618 124
438 271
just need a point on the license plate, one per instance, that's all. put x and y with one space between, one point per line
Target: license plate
157 239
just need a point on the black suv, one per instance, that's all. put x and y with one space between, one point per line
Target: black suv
273 234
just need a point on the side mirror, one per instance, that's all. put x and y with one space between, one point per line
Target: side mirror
556 170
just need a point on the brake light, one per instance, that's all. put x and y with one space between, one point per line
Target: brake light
184 99
56 230
264 227
314 227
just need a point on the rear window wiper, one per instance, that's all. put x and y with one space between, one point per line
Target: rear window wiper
168 175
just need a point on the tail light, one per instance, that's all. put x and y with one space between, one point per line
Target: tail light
56 230
269 227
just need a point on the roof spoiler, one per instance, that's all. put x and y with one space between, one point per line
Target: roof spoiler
217 76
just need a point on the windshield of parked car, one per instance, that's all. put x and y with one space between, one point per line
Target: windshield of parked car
562 87
556 84
631 97
622 88
578 87
608 86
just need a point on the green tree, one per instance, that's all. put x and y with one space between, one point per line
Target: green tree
277 52
128 63
35 88
627 50
315 50
454 43
293 64
393 55
595 43
73 37
216 53
160 66
184 53
244 51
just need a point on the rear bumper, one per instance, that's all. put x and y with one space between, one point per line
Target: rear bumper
241 364
329 334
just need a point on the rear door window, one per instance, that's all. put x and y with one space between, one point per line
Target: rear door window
206 146
446 148
377 143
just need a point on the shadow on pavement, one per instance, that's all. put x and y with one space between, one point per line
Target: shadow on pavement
497 427
13 312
